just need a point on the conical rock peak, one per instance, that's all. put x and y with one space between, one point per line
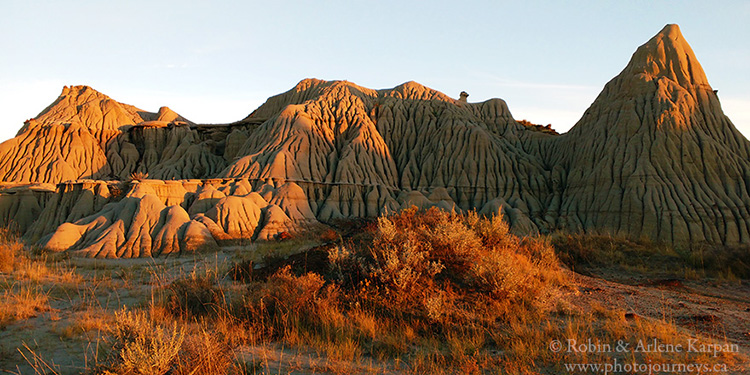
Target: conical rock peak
654 157
667 55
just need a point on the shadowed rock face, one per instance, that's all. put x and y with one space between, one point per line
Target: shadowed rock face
85 134
359 148
653 156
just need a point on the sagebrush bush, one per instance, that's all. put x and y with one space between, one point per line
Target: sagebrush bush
401 261
285 303
142 347
415 278
431 268
435 256
446 293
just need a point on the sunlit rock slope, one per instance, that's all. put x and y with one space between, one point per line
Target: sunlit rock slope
654 156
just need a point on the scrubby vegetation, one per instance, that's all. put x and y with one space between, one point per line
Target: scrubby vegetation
413 281
138 176
417 292
18 300
592 253
423 278
547 129
10 250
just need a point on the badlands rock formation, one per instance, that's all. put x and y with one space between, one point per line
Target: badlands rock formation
653 156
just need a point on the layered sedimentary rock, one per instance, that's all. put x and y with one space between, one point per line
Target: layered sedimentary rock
86 135
154 217
358 149
20 206
654 156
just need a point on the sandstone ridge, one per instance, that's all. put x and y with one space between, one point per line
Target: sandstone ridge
654 156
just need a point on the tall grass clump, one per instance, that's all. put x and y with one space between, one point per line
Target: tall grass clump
139 343
728 262
581 249
142 347
10 250
196 295
286 306
22 301
138 176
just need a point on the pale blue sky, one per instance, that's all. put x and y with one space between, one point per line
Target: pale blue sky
217 62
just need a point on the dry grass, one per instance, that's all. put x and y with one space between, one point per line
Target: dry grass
725 262
90 322
429 280
195 295
443 293
22 302
138 176
10 250
603 249
146 343
142 347
31 264
418 292
204 352
37 362
589 252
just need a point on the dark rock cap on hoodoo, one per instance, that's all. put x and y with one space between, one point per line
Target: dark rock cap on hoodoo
654 156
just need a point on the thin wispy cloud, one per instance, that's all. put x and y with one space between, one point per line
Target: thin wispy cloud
171 66
506 82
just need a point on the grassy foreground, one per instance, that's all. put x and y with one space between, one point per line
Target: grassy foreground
424 292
